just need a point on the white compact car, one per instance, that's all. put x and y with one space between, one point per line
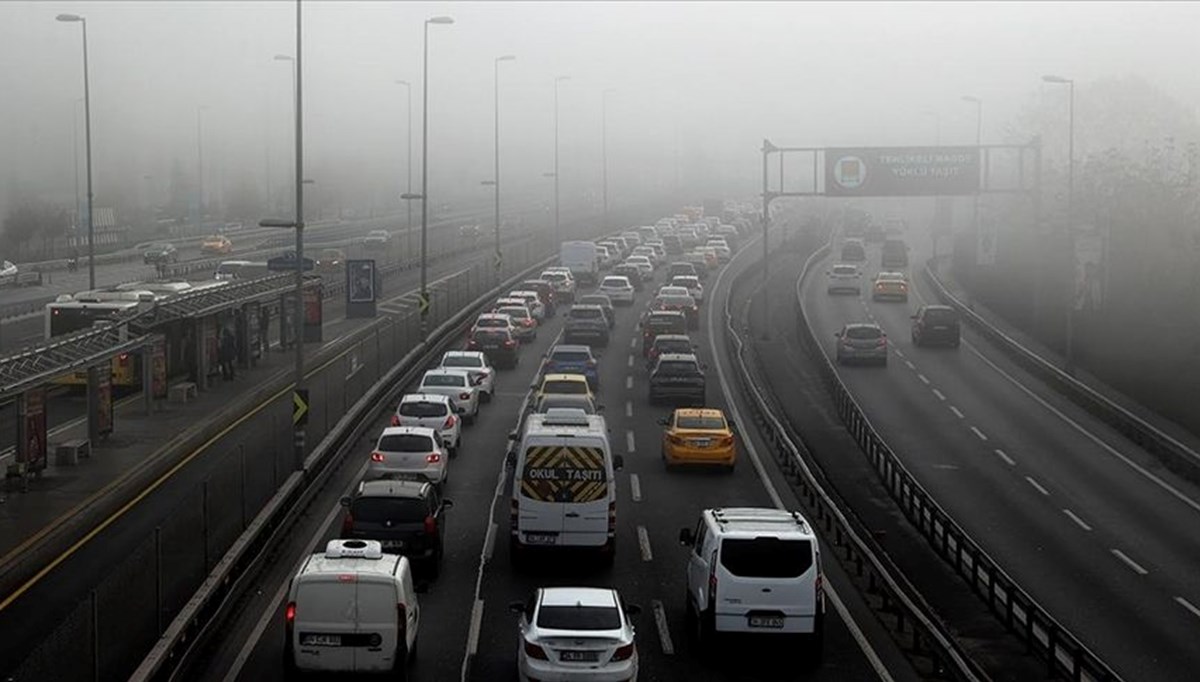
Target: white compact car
844 277
576 633
477 366
617 289
410 452
455 384
532 301
692 283
351 609
431 411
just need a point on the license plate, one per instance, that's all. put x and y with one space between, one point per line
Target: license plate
766 622
702 442
392 544
579 656
541 538
321 640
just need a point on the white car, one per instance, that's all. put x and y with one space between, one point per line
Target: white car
8 269
431 411
532 301
522 319
617 288
643 265
692 283
410 451
576 633
377 238
673 290
456 384
646 251
724 253
843 277
562 281
477 366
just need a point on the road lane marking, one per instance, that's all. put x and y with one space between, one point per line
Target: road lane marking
476 623
635 487
633 342
924 379
628 408
1129 562
1041 489
1004 456
1188 605
630 363
489 541
1078 521
939 395
910 365
629 382
629 444
899 353
664 634
980 434
956 412
644 544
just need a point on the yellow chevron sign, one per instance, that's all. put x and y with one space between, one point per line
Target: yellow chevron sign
558 473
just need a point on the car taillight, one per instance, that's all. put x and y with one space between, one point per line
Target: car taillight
712 583
430 525
289 614
395 420
676 440
528 322
376 456
725 441
534 651
450 422
401 618
623 653
881 342
347 523
433 458
591 363
510 344
464 396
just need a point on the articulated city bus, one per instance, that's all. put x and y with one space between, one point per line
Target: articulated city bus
67 316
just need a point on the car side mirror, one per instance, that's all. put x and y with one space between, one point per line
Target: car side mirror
618 462
345 501
633 610
686 537
838 334
447 503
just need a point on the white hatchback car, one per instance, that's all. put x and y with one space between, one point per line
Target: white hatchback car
617 288
477 366
692 283
576 633
431 411
532 301
455 384
410 452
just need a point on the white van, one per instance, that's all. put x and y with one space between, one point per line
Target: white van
754 571
564 486
582 259
351 609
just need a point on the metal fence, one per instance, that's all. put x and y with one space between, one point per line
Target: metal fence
1044 636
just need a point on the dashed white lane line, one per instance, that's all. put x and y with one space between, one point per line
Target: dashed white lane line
630 363
476 624
924 379
1188 605
628 382
910 365
633 342
629 444
939 395
1040 488
1078 521
899 353
1135 566
664 634
1004 456
635 487
644 544
978 434
628 409
956 412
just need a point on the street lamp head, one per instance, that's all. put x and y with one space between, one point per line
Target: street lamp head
68 17
410 196
284 58
1056 79
404 83
561 78
487 183
506 58
440 20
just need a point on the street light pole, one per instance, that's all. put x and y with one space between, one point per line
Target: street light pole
87 136
408 167
288 58
425 169
1069 364
199 167
496 155
604 152
978 141
557 234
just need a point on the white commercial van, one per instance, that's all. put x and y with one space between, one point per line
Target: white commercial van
754 571
351 609
564 487
582 259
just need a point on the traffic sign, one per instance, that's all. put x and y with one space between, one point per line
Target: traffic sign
300 407
423 302
499 260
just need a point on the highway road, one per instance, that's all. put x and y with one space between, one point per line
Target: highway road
1098 531
478 582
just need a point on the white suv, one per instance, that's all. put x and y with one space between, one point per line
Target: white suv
754 571
433 412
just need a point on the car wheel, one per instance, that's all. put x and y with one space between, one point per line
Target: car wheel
486 397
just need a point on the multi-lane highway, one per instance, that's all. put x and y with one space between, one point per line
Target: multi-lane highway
1096 529
467 631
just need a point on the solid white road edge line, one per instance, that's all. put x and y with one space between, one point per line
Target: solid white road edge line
644 544
489 541
664 634
1129 562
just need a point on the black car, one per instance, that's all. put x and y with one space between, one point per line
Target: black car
680 268
605 303
632 273
935 324
661 322
405 516
586 324
498 345
678 377
160 254
668 343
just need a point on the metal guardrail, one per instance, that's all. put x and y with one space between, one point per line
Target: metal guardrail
1175 455
1021 615
927 635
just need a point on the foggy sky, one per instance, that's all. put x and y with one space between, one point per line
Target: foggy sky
716 77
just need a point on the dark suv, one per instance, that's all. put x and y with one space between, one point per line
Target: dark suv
632 272
677 377
545 292
935 324
497 344
161 254
586 324
405 516
661 322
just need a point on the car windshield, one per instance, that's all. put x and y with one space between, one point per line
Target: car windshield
490 337
492 322
844 270
570 356
615 283
513 311
663 321
405 442
676 300
940 315
579 618
444 380
863 333
700 422
462 361
384 509
766 557
673 345
678 367
595 300
578 402
586 313
423 409
564 386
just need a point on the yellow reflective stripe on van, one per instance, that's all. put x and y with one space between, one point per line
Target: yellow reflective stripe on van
560 473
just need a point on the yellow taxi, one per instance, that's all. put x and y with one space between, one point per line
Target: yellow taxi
698 436
559 384
217 244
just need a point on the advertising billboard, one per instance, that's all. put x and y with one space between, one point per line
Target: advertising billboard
901 171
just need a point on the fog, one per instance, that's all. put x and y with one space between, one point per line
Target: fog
696 87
